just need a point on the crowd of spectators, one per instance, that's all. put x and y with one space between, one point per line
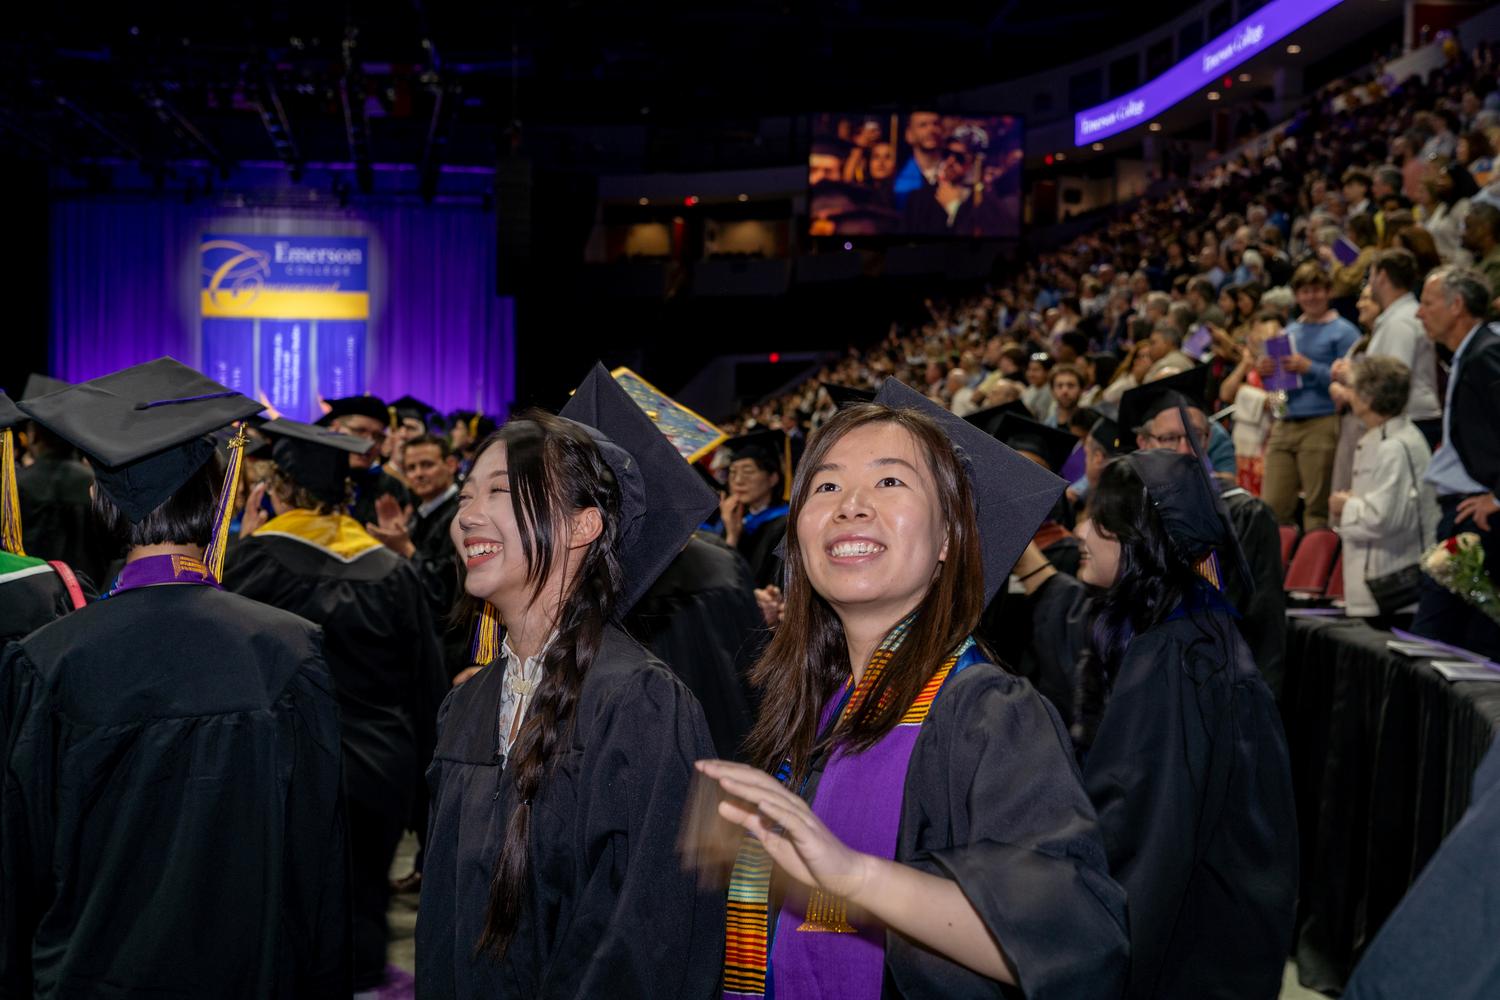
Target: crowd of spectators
1278 270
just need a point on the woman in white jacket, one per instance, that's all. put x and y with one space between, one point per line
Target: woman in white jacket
1388 515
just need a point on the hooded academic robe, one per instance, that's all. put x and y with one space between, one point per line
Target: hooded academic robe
170 819
992 800
32 594
1190 775
763 534
382 651
609 910
701 619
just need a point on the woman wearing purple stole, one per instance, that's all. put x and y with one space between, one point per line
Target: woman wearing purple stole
917 826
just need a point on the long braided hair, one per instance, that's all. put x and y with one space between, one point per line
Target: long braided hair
555 470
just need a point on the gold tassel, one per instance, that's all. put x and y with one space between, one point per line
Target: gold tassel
213 556
10 498
486 637
827 914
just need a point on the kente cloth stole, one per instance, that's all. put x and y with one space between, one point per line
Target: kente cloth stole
844 802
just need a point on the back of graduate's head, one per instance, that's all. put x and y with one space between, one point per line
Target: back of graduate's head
184 518
537 528
889 479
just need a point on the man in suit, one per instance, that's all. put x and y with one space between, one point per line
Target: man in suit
1465 471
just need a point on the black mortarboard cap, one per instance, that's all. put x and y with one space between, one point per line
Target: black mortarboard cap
1189 505
662 500
411 406
844 395
144 429
10 416
315 458
1141 404
1106 433
356 406
988 419
38 384
1047 443
1013 494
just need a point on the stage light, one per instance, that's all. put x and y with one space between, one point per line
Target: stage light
690 200
776 357
1154 126
1047 159
1244 78
1293 50
1213 95
644 201
1061 157
1097 147
848 246
1228 83
744 197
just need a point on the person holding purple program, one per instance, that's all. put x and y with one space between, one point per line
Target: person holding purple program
917 804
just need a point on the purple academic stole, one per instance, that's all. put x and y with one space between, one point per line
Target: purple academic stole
816 951
152 570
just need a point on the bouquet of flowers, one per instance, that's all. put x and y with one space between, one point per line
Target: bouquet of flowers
1457 564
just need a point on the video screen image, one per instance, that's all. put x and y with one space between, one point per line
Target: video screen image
920 173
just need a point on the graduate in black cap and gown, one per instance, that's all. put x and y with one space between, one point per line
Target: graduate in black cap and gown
170 820
563 766
380 641
1151 417
914 825
56 511
754 510
32 592
367 417
1183 751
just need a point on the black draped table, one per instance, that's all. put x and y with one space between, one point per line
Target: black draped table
1383 753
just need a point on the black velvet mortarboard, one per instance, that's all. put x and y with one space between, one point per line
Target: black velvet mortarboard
38 384
1048 443
10 416
1106 433
662 500
988 419
1013 494
315 458
356 406
144 429
844 395
411 406
1189 505
1141 404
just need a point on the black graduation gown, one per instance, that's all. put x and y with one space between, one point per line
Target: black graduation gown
1007 625
170 822
32 596
56 514
610 912
436 562
1062 613
992 800
759 549
1262 611
701 619
382 651
1189 773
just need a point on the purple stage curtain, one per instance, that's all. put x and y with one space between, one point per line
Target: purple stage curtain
125 290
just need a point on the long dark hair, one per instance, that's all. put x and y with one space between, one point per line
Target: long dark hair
1153 579
555 470
809 658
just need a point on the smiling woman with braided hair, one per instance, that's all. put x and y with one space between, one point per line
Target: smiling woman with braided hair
563 765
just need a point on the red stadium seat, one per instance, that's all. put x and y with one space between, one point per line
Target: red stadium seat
1312 563
1335 591
1289 535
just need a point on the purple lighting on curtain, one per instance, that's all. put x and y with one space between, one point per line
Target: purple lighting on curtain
125 290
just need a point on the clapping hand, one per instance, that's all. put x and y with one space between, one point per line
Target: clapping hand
255 512
772 604
798 841
732 513
391 529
